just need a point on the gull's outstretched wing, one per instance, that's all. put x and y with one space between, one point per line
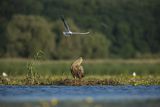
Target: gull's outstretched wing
80 33
65 24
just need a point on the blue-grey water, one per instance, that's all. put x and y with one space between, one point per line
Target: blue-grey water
79 96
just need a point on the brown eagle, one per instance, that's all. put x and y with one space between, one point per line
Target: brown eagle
76 68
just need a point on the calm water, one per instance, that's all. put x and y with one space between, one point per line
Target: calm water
66 96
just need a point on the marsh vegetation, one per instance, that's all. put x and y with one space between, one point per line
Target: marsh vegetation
97 72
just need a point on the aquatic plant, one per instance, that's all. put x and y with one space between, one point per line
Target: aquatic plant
32 76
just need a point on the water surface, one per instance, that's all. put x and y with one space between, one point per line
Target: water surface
64 96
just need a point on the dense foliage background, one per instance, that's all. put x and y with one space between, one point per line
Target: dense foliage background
119 28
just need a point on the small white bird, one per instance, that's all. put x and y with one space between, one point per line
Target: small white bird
68 32
134 74
4 74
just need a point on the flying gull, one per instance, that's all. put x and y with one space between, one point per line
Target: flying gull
68 32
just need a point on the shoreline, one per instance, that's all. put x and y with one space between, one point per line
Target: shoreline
89 80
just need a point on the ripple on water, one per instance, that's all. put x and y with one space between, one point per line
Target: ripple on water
79 92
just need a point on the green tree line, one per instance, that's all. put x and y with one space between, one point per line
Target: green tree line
119 28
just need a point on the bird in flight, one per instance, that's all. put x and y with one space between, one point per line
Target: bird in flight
68 32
